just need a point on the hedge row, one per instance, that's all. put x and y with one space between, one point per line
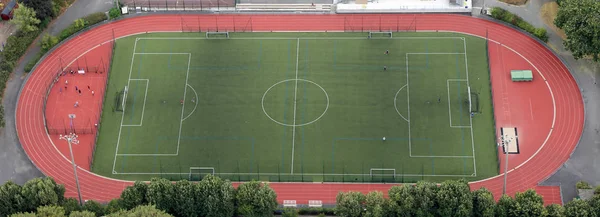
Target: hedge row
504 15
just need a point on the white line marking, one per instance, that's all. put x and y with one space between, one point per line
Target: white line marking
408 105
435 53
162 53
295 96
123 114
308 174
307 38
531 108
183 106
395 106
145 96
147 155
449 107
470 117
196 105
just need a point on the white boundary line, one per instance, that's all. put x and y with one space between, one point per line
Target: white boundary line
147 84
308 174
290 38
470 116
196 105
295 97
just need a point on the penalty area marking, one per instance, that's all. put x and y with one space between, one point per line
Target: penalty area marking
195 105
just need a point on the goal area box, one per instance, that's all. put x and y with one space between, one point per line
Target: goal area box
380 35
198 173
217 35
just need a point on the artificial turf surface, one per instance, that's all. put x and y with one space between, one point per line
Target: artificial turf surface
299 107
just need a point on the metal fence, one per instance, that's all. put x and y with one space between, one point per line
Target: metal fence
380 24
178 5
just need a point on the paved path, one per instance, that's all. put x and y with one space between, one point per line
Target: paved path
14 163
584 163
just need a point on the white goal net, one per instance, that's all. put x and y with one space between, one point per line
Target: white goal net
380 34
217 35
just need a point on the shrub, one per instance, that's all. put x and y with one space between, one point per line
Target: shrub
289 212
316 211
504 15
48 41
77 25
1 115
583 185
32 62
94 18
114 13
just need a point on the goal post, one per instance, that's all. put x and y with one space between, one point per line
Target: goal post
383 174
121 99
380 35
217 35
473 101
198 173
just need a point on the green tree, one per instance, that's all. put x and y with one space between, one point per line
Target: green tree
50 211
42 191
506 207
141 211
582 27
24 18
185 199
255 199
216 197
529 203
374 204
555 210
390 208
578 208
11 199
402 200
425 198
27 214
114 206
161 193
48 41
349 204
454 198
94 207
71 205
43 8
82 214
483 203
134 196
595 204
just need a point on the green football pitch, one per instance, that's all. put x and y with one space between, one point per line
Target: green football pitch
309 107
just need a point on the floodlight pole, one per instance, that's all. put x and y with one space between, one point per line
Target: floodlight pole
72 138
505 142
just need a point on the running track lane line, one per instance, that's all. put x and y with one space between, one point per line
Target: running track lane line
568 111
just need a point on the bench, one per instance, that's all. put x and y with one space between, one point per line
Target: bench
289 203
315 203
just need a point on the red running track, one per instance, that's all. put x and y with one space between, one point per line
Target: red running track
551 146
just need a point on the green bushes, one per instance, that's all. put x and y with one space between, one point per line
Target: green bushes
504 15
114 13
583 185
316 211
80 24
94 18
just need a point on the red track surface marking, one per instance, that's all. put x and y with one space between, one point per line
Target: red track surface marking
547 142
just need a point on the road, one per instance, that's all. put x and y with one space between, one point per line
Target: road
14 163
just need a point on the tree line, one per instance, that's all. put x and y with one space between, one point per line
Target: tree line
215 197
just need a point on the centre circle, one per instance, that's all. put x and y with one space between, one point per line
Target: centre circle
295 91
